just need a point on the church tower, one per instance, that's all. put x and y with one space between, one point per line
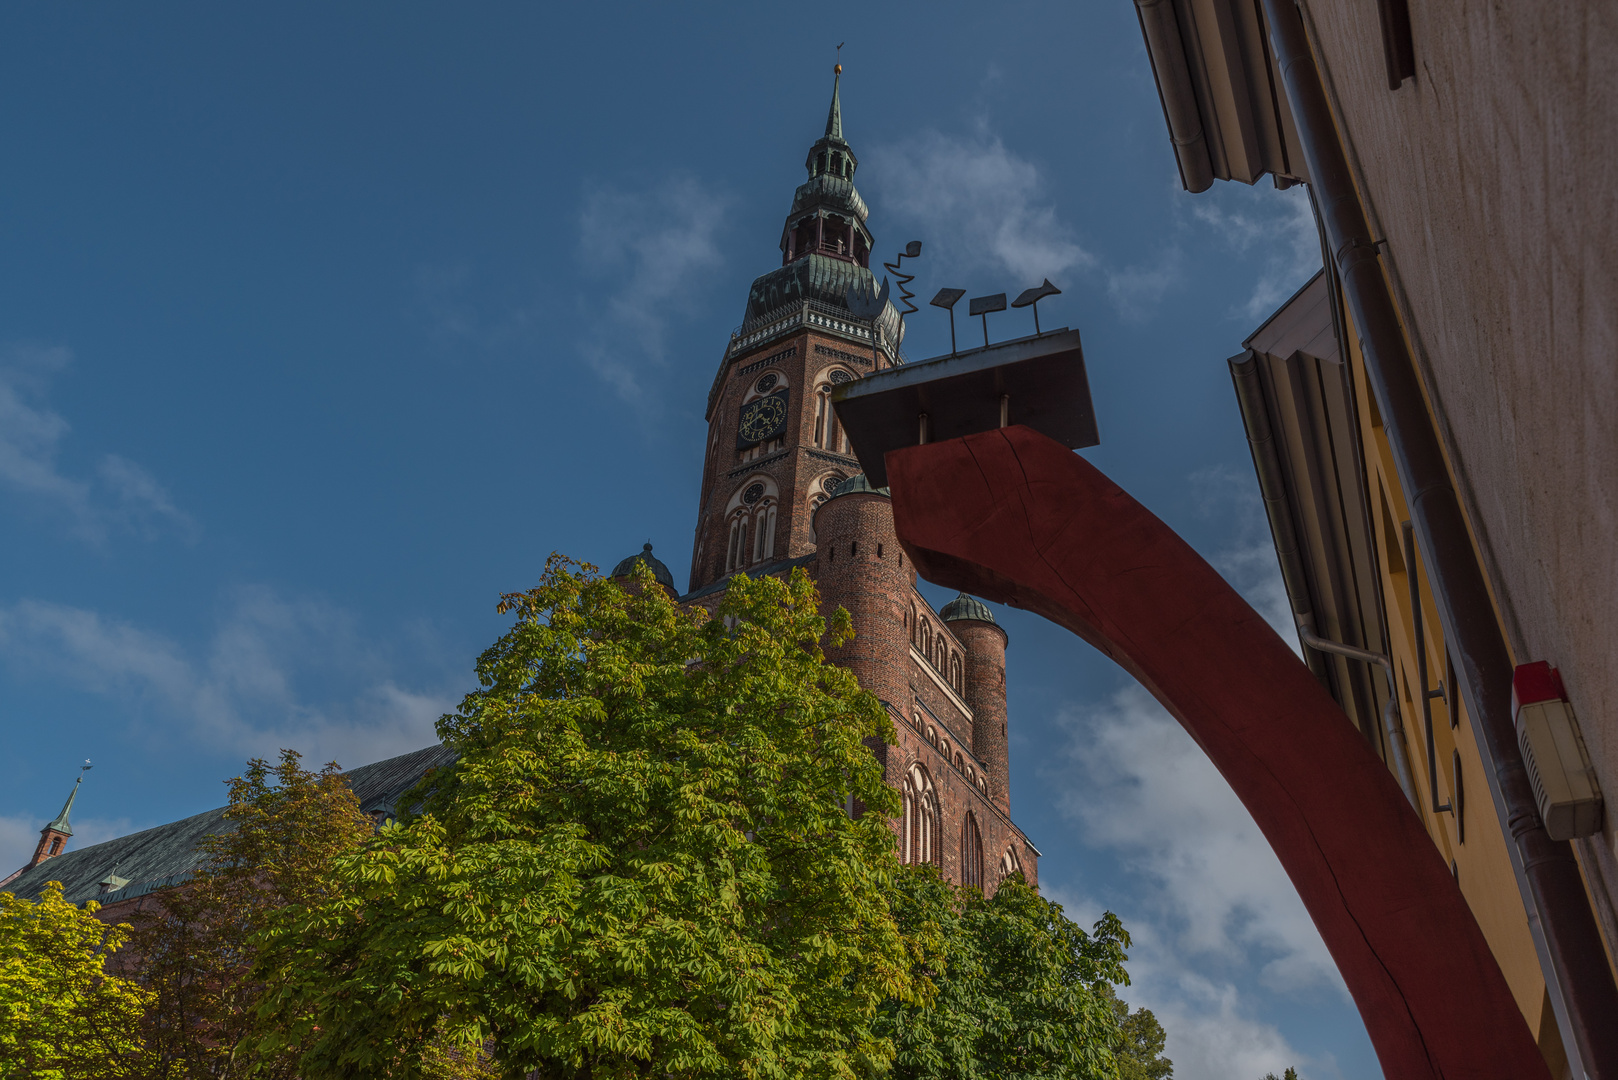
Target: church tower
781 489
775 451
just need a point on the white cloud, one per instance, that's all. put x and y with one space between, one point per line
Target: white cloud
19 835
457 311
30 434
1280 223
981 207
142 502
650 253
1145 790
123 495
1212 1034
977 204
275 673
1248 560
1205 899
1136 291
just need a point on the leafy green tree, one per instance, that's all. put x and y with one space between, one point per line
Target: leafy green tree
640 865
62 1016
1016 990
194 946
1139 1049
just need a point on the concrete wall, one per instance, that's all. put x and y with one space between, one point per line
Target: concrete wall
1493 174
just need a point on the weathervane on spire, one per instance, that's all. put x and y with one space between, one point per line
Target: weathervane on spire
838 70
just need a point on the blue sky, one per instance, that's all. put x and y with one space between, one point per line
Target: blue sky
322 325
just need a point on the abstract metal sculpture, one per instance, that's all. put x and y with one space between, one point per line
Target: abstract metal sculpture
947 299
863 305
1034 296
982 305
900 278
1016 517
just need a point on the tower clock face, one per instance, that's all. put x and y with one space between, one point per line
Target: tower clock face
763 418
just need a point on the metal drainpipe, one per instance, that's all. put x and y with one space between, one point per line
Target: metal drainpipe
1581 984
1166 52
1278 508
1391 724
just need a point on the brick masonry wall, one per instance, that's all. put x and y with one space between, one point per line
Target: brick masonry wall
800 362
1493 174
986 694
858 564
861 567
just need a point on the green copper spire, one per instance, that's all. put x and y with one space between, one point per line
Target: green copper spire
834 118
61 823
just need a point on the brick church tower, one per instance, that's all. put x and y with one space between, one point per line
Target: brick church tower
780 489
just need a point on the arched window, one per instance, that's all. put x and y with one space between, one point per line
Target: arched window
971 852
915 629
926 639
918 833
818 494
955 674
1010 864
738 541
828 432
751 513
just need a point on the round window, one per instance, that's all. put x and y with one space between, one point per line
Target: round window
753 494
840 376
767 383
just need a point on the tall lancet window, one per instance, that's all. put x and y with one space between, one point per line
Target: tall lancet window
828 432
971 852
751 513
919 831
734 559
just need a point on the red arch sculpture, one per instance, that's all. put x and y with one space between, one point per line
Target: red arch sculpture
1016 517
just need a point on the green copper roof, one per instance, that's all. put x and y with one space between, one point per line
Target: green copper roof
61 824
659 571
966 607
158 858
813 277
856 484
834 118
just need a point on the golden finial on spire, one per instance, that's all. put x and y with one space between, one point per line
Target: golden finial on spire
838 70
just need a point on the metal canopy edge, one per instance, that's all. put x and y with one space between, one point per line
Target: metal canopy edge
1040 380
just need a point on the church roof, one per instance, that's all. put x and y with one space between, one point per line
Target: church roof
835 193
855 484
61 824
834 116
779 566
159 858
966 607
820 278
659 571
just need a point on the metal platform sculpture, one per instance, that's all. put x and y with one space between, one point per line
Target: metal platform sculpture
989 498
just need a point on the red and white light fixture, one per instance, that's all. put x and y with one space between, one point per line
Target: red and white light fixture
1558 763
